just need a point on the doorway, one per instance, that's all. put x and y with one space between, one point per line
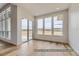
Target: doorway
26 30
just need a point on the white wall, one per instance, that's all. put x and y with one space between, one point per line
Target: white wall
74 27
22 13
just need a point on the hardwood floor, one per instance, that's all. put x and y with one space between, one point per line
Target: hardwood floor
6 48
39 48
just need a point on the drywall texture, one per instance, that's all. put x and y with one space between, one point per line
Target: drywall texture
74 27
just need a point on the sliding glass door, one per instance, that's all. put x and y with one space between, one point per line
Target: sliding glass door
30 30
26 30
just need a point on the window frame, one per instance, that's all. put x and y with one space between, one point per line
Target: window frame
5 30
52 25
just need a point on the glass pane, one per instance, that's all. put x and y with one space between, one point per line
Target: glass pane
58 25
0 29
0 33
0 17
9 24
8 12
3 15
24 30
8 28
30 29
6 34
48 26
40 26
3 25
9 34
3 30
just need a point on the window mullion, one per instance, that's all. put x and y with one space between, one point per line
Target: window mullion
52 26
43 26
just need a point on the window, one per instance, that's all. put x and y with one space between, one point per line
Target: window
48 26
8 28
58 25
8 12
24 29
40 26
30 29
51 25
8 23
3 30
0 26
5 23
0 29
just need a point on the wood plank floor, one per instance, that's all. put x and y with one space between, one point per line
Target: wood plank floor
6 48
39 48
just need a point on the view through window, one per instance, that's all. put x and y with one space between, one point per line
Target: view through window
30 29
48 26
51 25
40 26
58 25
26 30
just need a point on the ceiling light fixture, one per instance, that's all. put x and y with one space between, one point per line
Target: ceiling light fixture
57 8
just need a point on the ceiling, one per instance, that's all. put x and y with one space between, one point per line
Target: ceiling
1 5
42 8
